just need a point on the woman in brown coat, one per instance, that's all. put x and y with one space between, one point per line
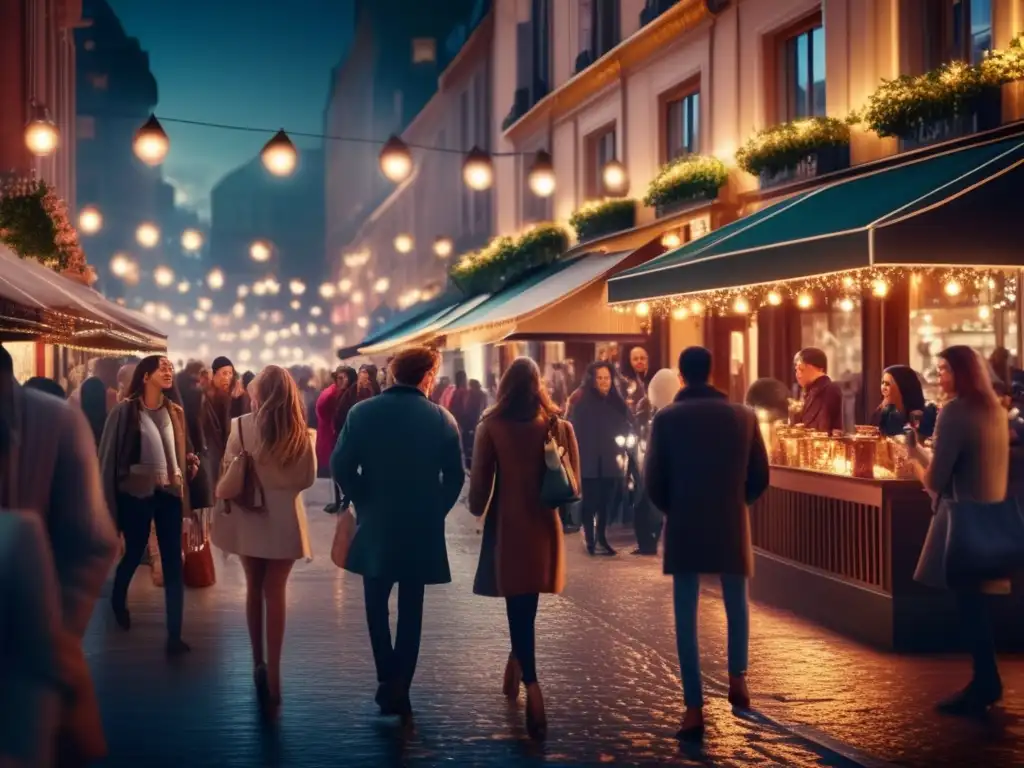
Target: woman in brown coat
522 554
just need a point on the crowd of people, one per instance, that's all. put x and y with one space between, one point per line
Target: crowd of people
177 462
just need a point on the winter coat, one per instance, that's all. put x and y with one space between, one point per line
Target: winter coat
705 464
522 551
822 406
326 431
597 421
200 487
399 460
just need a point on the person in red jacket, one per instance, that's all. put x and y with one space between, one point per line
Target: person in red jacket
327 430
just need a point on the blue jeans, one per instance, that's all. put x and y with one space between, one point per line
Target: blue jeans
685 594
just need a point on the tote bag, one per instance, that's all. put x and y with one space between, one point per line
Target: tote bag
984 541
559 486
344 533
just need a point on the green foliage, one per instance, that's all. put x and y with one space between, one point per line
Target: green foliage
602 217
786 145
26 226
505 260
687 178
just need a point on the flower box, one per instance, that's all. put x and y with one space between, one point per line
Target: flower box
794 150
817 163
504 261
668 209
685 180
603 217
981 113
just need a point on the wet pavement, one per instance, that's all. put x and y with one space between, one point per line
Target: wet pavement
606 661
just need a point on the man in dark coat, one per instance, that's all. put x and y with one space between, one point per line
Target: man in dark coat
399 460
823 399
705 463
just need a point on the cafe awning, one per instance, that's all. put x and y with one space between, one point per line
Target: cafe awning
498 316
957 207
418 327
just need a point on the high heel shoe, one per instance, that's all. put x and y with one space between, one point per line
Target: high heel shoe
536 718
739 694
692 727
513 678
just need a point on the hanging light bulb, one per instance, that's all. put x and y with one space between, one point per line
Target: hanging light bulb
615 177
541 177
846 304
741 306
297 287
643 309
443 247
804 301
879 288
191 240
147 235
478 169
671 240
327 290
259 251
120 265
163 276
184 286
382 285
344 285
395 160
205 303
238 310
215 280
953 288
680 313
279 155
296 305
774 298
403 243
151 143
41 135
90 220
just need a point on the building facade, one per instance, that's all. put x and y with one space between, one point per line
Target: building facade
37 76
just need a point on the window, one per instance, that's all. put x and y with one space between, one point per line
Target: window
424 50
600 149
604 26
803 71
541 28
682 126
585 14
956 30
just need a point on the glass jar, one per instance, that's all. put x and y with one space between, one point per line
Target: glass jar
863 451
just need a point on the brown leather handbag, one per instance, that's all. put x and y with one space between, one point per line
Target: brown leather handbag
240 484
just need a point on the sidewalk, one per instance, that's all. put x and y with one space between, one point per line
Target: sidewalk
825 686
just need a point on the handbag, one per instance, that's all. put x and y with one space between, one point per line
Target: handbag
344 533
240 484
984 541
559 486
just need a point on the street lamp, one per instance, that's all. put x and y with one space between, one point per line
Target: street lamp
395 160
147 235
478 170
259 251
151 143
163 276
403 243
191 240
279 155
542 175
215 280
443 247
615 178
90 220
41 135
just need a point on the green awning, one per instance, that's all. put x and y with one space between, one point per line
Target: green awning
958 207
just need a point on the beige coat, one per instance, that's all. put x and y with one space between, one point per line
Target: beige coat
279 531
54 472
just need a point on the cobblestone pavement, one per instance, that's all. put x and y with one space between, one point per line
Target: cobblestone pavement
606 657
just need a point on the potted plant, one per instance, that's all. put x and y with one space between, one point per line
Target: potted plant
505 260
602 217
801 148
685 179
34 223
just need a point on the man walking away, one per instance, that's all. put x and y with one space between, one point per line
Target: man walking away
706 462
399 460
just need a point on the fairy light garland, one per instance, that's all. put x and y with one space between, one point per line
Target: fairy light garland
843 288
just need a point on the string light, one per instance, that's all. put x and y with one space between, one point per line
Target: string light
191 240
395 160
147 235
215 280
805 301
90 221
404 243
327 290
297 287
163 276
41 135
478 170
279 155
443 247
151 144
541 177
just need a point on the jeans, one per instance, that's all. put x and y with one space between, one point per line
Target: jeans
685 594
522 618
397 663
977 629
134 518
598 495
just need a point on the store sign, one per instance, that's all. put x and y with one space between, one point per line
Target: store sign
700 227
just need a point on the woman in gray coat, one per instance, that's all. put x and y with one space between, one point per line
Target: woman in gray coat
969 462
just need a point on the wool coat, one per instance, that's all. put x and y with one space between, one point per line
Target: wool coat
523 550
705 463
399 461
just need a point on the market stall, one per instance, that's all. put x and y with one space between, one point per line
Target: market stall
884 266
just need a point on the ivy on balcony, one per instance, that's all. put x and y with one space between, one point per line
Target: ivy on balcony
506 260
34 224
782 148
687 178
602 217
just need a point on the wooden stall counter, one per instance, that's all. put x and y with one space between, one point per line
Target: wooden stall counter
841 552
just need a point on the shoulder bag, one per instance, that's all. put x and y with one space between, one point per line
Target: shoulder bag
560 485
984 541
240 484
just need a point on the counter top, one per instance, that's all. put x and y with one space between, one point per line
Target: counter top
842 487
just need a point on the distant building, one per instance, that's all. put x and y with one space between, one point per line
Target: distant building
249 204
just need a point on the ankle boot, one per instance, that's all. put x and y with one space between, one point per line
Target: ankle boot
739 695
692 727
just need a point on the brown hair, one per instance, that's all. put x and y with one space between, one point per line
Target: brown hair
411 366
971 380
281 417
522 394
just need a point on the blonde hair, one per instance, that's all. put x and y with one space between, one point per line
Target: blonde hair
280 417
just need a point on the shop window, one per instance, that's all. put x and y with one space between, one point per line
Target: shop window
682 126
424 50
835 328
604 26
802 72
600 150
956 30
946 311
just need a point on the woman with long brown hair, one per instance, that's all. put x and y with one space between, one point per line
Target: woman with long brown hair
969 462
522 554
269 540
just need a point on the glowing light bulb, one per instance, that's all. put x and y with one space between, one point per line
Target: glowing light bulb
362 321
151 144
259 251
614 176
395 160
741 306
296 305
541 177
184 286
279 155
382 285
297 287
90 220
315 311
163 276
680 313
774 298
443 247
984 312
879 288
804 301
846 304
643 309
238 310
344 285
205 304
478 170
147 235
215 280
327 290
41 135
120 265
953 288
697 308
403 243
671 240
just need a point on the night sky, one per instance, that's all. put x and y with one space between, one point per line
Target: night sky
259 63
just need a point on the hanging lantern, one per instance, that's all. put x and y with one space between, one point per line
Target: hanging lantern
151 143
191 240
395 160
279 155
147 235
478 169
443 246
615 178
403 243
90 221
541 177
41 135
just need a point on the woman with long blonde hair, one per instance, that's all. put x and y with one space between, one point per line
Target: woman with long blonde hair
269 540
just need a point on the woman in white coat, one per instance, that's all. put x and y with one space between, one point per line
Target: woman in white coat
269 541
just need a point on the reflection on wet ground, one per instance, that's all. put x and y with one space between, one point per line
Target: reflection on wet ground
606 654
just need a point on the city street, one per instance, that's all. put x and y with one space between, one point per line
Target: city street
606 654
